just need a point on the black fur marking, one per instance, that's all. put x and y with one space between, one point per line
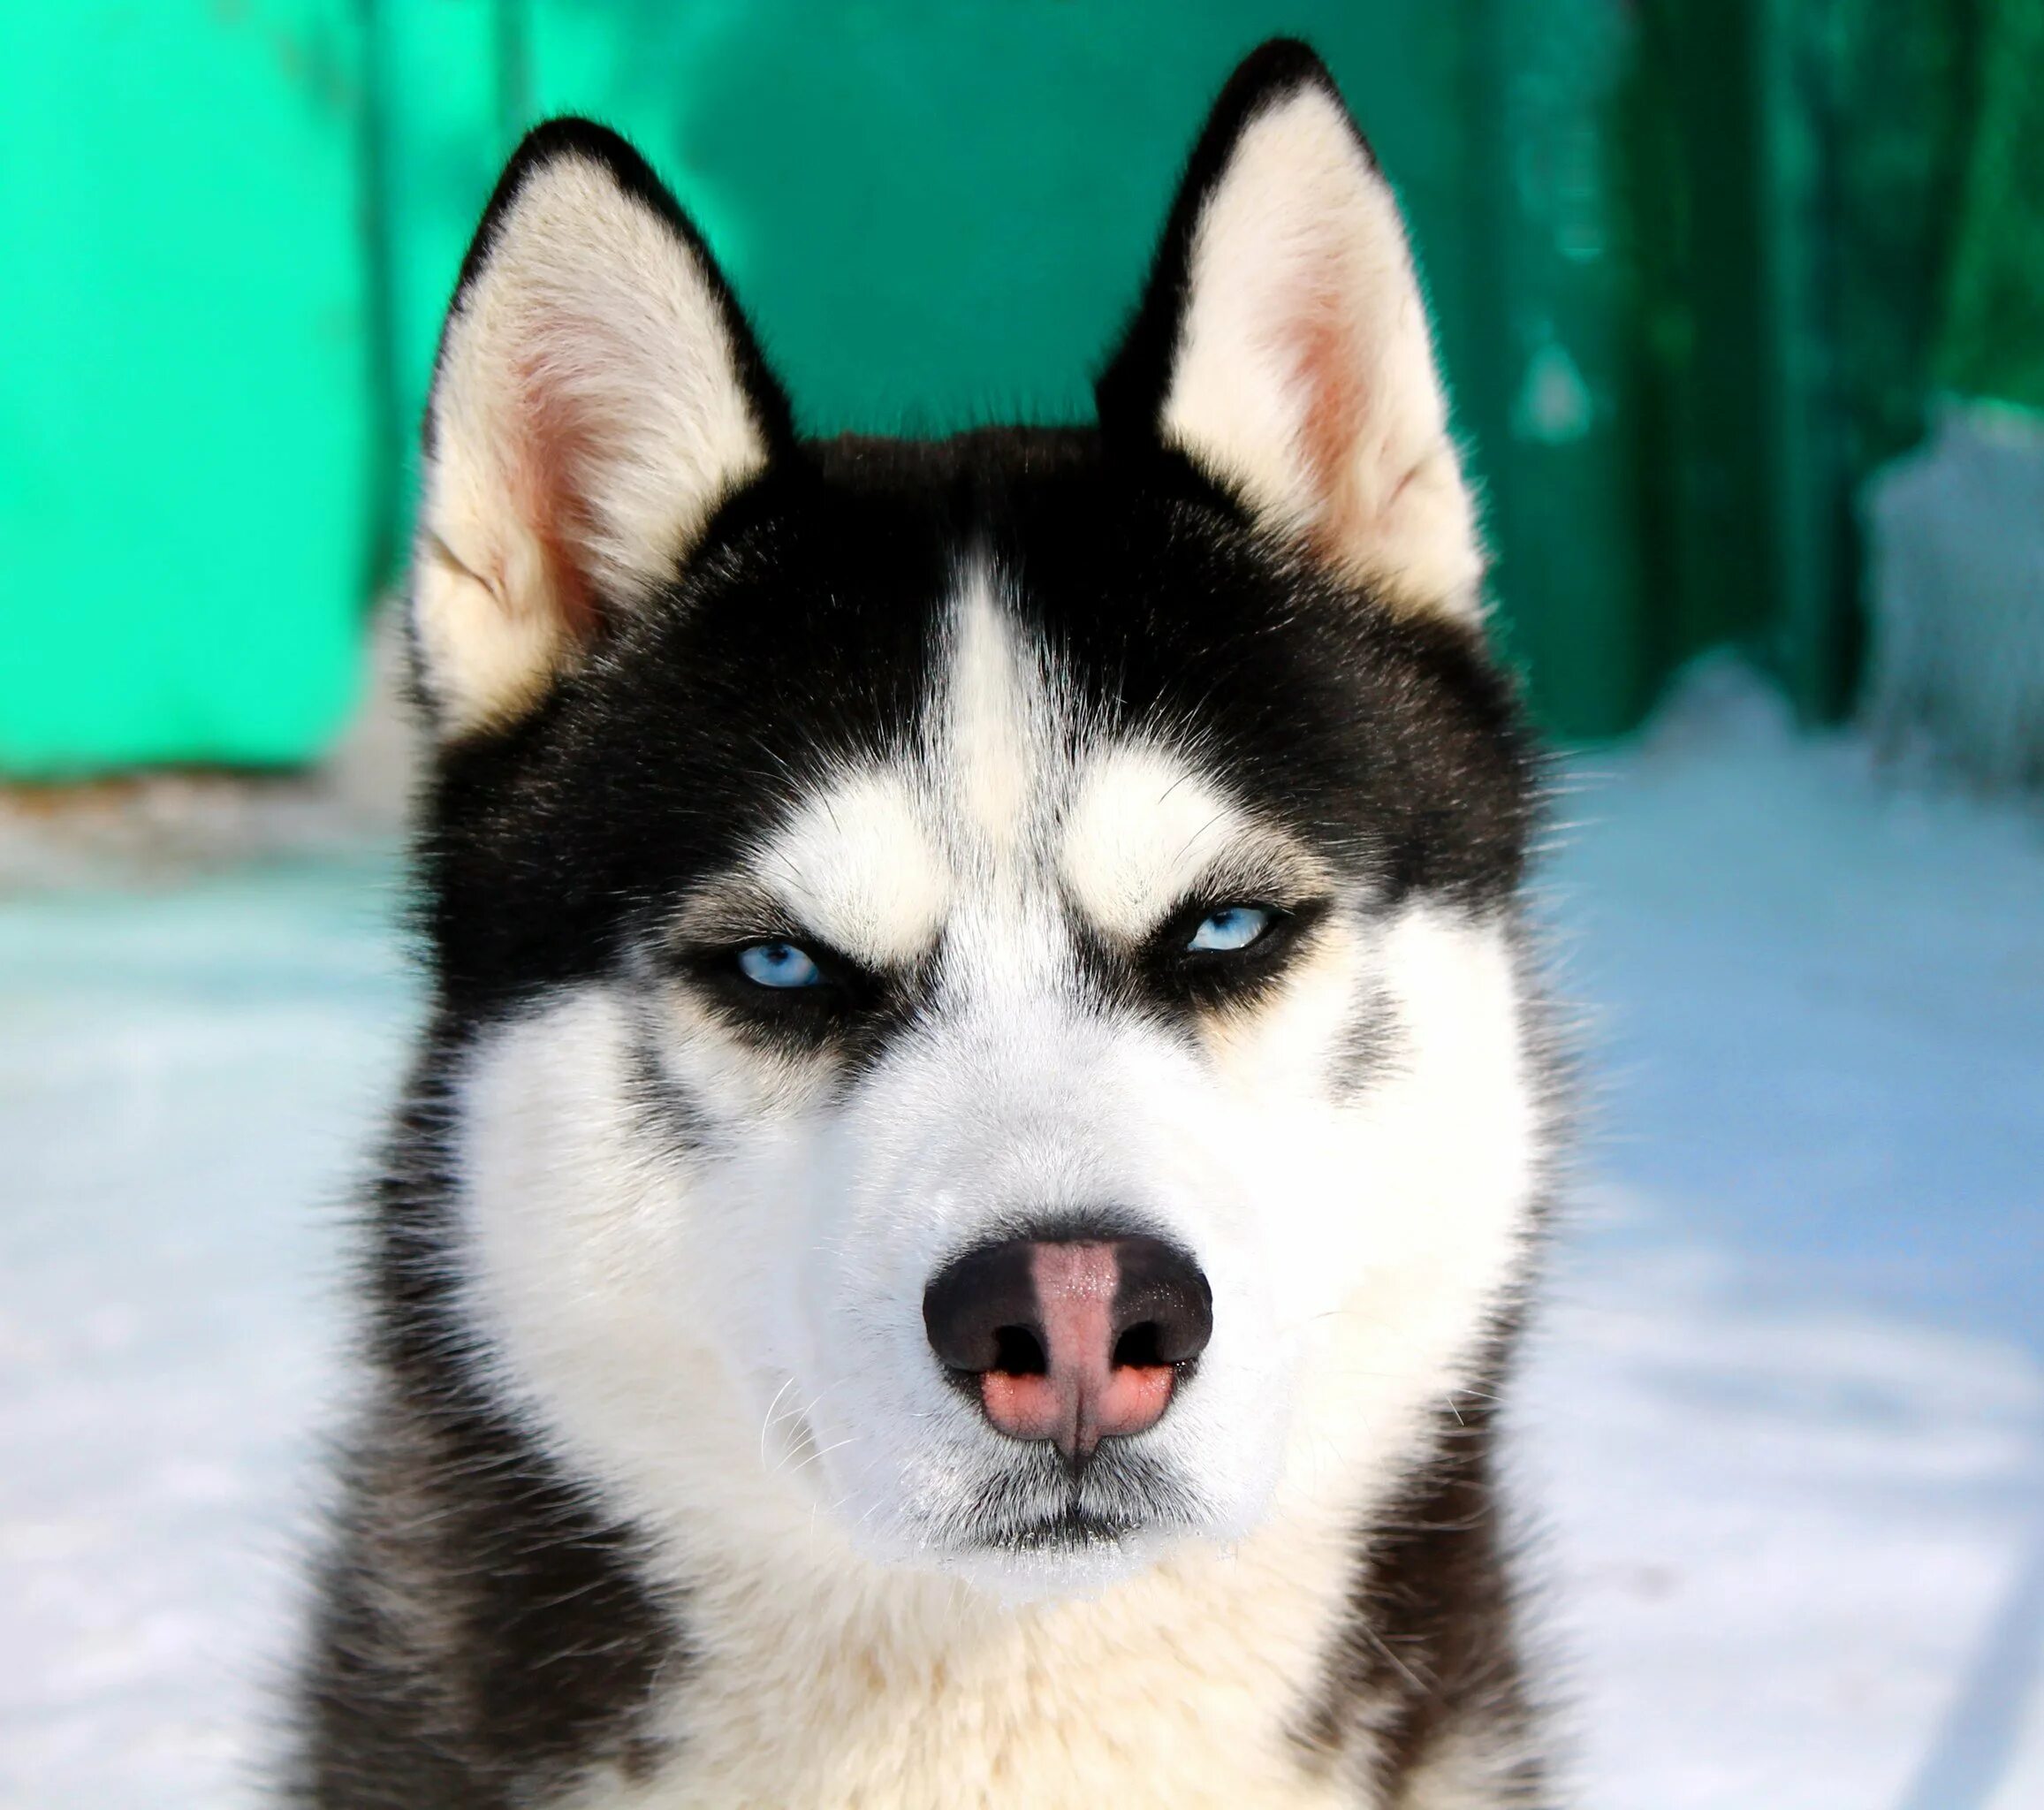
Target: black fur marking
483 1629
1428 1652
678 1121
1371 1045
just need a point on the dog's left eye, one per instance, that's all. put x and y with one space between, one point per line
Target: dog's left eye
1231 928
778 965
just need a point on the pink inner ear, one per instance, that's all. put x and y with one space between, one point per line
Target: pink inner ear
1331 380
548 464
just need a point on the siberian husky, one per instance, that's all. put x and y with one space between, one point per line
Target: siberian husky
961 1213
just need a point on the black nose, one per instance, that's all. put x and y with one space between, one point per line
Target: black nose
1073 1340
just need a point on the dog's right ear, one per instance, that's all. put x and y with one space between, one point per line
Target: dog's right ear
597 394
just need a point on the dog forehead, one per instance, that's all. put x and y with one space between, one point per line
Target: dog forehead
1013 787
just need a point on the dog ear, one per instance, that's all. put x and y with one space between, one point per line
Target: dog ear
1283 347
597 395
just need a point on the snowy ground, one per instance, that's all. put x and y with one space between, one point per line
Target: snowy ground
1784 1422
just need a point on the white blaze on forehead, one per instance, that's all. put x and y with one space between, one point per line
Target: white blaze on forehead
992 718
858 866
1142 829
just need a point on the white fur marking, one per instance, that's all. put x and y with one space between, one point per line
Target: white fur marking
858 865
993 751
1142 829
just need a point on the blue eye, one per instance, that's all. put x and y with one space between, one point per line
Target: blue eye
1231 928
779 965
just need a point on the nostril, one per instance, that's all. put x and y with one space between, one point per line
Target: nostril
1018 1351
976 1305
1140 1348
1163 1308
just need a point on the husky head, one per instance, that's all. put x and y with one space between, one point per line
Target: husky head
976 981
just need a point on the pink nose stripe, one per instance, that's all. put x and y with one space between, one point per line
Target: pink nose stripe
1083 1396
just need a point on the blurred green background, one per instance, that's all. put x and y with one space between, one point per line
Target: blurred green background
1699 268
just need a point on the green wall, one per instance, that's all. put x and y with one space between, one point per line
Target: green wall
187 447
233 226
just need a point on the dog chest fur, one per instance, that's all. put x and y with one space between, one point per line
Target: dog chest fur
1170 1690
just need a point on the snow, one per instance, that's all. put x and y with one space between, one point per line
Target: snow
1781 1431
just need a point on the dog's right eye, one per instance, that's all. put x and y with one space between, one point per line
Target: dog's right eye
780 966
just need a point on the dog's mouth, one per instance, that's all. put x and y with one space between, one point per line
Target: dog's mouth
1038 1506
1076 1530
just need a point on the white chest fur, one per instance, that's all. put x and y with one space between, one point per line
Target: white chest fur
1183 1686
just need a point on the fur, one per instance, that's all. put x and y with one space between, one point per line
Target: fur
661 1498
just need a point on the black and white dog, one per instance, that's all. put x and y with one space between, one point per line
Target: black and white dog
956 1229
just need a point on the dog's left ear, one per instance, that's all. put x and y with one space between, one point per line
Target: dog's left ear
1282 344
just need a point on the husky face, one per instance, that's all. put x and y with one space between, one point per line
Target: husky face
978 981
